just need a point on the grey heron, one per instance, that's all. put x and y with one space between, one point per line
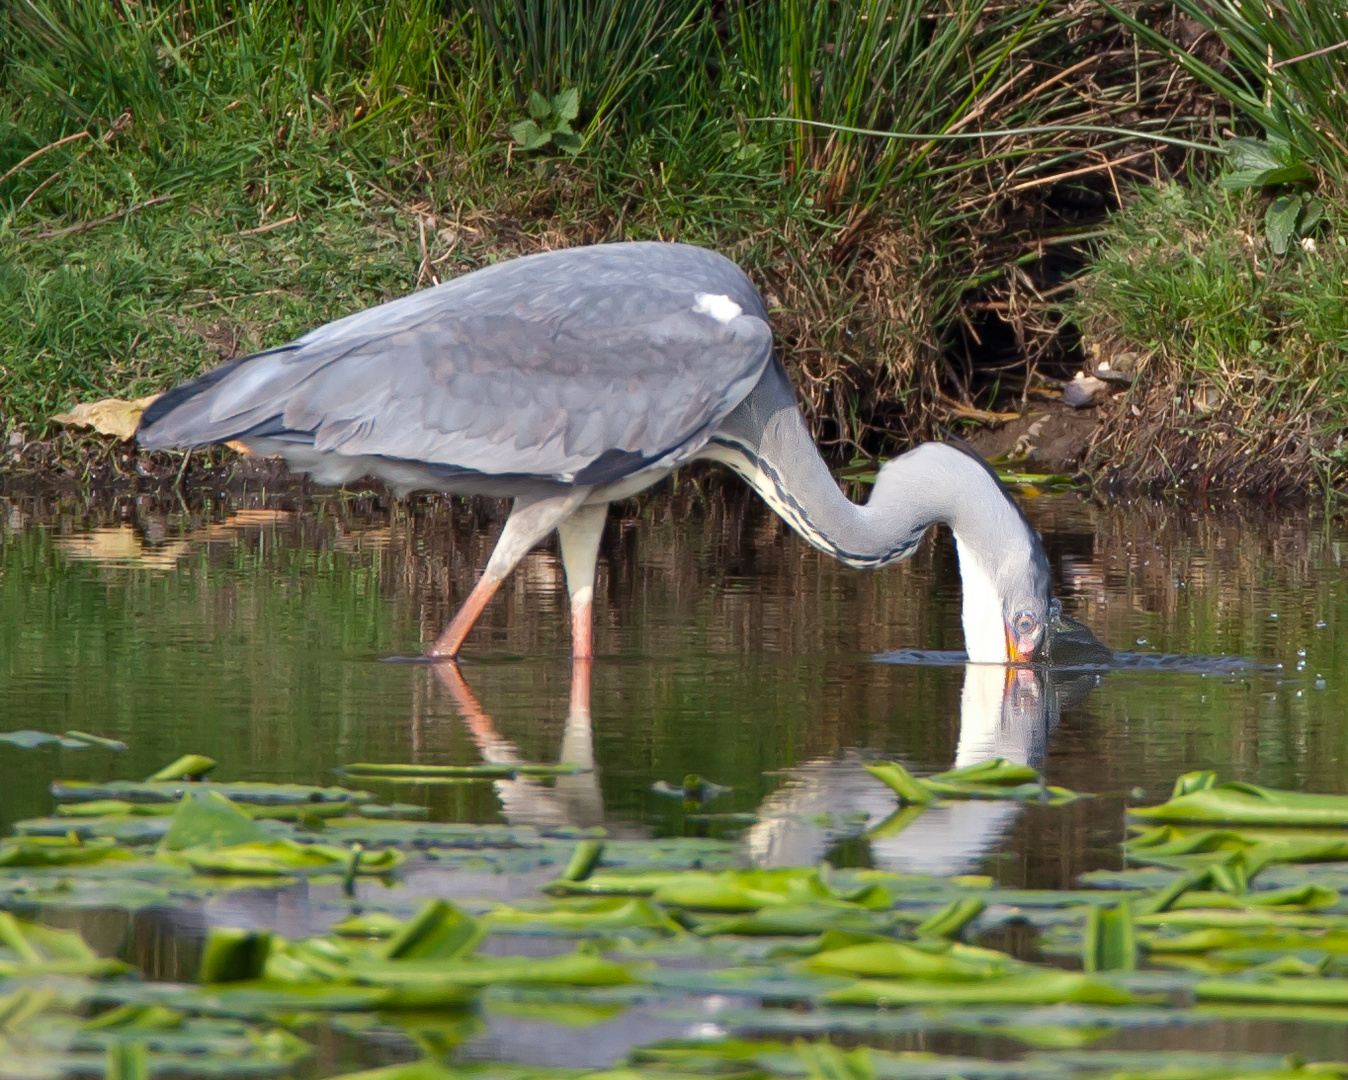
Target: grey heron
573 378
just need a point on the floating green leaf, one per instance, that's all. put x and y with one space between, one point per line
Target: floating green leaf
411 773
32 740
995 778
901 782
284 857
900 960
234 955
187 767
115 745
57 851
583 860
951 919
439 930
1110 940
1238 803
1028 988
209 820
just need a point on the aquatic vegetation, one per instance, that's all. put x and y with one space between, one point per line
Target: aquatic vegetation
670 925
27 739
1202 800
995 778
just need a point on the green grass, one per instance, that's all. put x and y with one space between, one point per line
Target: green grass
1245 381
360 119
1281 65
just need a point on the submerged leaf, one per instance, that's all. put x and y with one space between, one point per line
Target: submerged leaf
1280 222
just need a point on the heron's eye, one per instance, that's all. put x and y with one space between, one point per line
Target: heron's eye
1025 624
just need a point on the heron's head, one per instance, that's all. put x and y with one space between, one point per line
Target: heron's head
1025 600
1004 573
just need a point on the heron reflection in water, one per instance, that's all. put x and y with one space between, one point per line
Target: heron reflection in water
571 379
1004 712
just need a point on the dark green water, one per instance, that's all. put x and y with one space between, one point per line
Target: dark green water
258 633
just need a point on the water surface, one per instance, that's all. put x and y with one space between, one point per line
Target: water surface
258 629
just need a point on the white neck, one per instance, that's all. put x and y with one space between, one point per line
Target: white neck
980 610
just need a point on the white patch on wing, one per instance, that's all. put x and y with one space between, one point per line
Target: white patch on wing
720 308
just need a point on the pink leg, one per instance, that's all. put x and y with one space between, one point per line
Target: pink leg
582 629
581 667
449 642
529 522
580 535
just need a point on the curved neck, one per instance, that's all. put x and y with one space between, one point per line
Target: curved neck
767 442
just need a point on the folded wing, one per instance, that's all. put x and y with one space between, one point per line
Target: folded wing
580 365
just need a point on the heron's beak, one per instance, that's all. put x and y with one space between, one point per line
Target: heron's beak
1020 648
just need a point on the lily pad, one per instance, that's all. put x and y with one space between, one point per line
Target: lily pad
26 739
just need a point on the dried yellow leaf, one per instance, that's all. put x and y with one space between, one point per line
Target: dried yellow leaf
111 416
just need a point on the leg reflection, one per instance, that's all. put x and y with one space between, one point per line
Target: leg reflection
575 798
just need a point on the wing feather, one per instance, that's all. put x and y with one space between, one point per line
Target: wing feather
538 366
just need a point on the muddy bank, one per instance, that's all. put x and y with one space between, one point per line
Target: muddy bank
1099 446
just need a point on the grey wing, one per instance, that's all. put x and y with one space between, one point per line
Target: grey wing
581 366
